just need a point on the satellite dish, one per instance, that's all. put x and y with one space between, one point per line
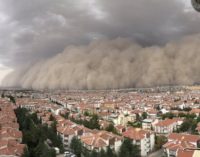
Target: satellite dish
196 5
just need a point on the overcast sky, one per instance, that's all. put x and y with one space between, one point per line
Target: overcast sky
32 30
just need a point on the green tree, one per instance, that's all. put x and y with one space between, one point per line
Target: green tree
47 152
181 115
111 128
66 115
76 146
187 109
136 124
138 117
189 126
144 115
12 99
190 116
3 95
39 149
52 118
168 115
93 123
26 153
185 126
35 118
110 153
85 152
36 134
198 119
94 154
198 144
127 149
102 153
86 113
160 141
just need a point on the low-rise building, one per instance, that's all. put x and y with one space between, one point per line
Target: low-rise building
10 136
178 142
167 126
144 139
101 140
149 124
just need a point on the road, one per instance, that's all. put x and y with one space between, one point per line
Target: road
158 153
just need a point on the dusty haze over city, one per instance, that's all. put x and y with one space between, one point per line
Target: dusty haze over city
98 44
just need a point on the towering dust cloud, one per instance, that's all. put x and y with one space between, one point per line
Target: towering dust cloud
118 63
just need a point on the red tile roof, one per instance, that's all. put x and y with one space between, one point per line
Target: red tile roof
136 133
183 137
185 153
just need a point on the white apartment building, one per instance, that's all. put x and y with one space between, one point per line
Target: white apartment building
167 126
144 139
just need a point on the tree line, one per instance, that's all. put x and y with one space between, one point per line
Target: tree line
39 138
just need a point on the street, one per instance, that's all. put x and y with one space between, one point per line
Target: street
158 153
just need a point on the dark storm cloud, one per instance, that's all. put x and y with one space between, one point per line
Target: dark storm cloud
36 29
32 31
152 21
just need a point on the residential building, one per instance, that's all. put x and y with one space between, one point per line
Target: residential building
144 139
178 142
101 140
167 126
